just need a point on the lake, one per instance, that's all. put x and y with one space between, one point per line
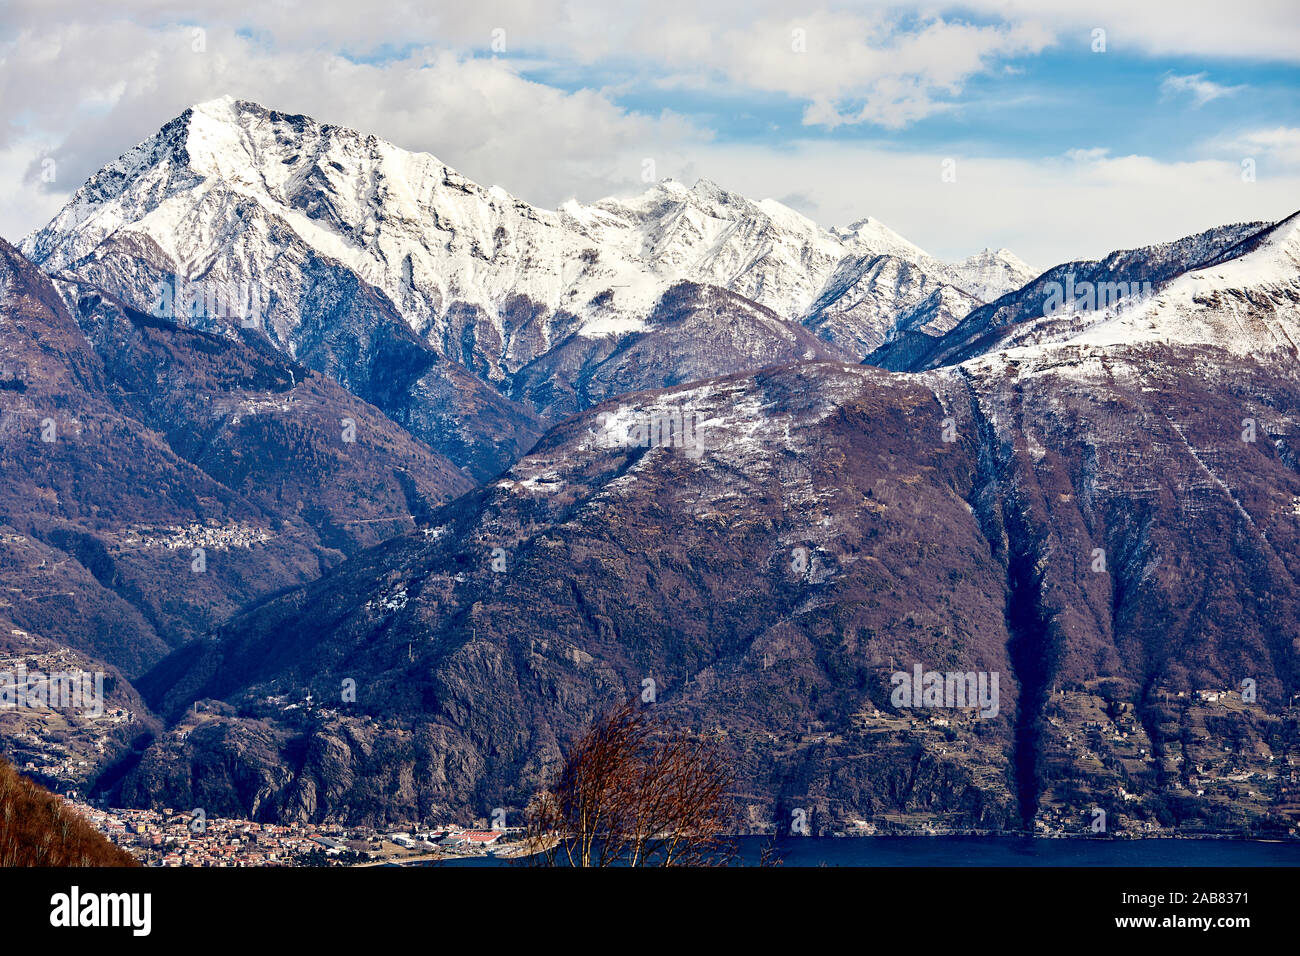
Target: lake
1004 851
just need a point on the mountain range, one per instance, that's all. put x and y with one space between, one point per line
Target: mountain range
686 438
393 273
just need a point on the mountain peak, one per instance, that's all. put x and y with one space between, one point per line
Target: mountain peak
214 183
217 105
709 189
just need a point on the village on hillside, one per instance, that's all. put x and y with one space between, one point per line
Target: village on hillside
175 838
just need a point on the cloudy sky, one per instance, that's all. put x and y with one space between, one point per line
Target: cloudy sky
1066 129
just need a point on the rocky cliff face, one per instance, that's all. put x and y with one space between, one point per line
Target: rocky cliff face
863 289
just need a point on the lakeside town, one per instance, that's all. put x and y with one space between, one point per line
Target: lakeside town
170 837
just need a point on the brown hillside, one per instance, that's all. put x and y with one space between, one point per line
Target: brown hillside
36 829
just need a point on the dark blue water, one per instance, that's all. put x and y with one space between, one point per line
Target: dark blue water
1023 851
1002 851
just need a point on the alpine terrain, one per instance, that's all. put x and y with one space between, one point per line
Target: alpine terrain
461 473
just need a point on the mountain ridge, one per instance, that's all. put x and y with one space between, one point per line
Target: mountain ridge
1127 278
234 193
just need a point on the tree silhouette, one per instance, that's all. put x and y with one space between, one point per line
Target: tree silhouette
633 791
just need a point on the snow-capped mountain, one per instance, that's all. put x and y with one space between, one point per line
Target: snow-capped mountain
1167 292
863 288
991 273
231 191
1060 491
1247 301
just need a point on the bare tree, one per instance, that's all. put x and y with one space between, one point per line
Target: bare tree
634 792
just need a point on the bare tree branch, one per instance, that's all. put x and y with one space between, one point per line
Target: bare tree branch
635 792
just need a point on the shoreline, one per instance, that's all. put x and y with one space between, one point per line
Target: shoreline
1020 835
434 858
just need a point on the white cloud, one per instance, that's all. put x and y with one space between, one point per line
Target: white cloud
1201 89
476 114
1083 204
866 62
1280 145
84 82
27 200
1264 29
856 68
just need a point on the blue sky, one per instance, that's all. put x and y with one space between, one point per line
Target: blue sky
842 110
1058 100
